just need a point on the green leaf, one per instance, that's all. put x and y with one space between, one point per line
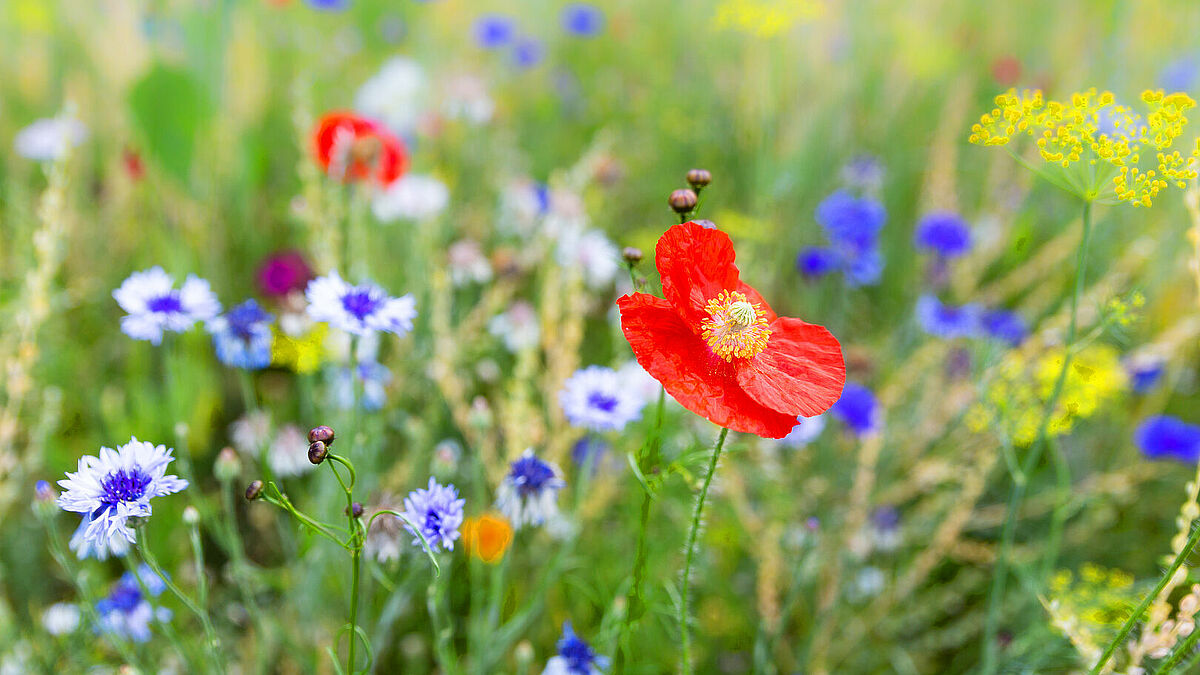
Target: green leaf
169 109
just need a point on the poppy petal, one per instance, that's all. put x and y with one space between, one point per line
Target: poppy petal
696 264
704 384
801 372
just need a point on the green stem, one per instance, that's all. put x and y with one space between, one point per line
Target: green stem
693 533
357 558
1190 666
214 645
442 629
167 629
1017 496
1141 609
633 600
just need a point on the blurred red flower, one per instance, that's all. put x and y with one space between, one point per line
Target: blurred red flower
356 148
718 348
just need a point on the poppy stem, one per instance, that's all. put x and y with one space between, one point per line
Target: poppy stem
693 533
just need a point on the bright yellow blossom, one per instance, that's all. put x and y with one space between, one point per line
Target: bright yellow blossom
1092 146
301 353
765 18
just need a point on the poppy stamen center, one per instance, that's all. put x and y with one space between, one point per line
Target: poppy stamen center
735 327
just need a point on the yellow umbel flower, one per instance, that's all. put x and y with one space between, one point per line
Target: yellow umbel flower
1092 147
1089 609
1015 399
765 18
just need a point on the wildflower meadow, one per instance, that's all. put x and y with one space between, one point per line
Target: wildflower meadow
616 337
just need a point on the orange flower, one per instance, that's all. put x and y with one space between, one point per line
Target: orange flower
487 537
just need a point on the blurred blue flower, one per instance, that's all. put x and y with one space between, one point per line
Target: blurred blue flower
528 52
125 611
1008 327
943 233
851 222
242 336
857 409
493 31
948 321
582 19
817 261
372 376
599 399
528 495
1144 373
1180 74
329 5
575 657
1164 437
864 269
589 450
863 172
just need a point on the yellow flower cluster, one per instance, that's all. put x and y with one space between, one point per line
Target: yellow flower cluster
1096 145
1089 609
1015 400
300 353
765 18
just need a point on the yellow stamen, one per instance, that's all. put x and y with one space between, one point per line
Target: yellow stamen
735 327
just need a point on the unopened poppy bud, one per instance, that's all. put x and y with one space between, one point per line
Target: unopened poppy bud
254 490
355 509
191 516
227 466
682 201
317 452
321 433
698 178
632 255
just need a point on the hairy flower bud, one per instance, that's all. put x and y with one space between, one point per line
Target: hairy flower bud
322 433
254 490
227 466
682 201
632 255
317 452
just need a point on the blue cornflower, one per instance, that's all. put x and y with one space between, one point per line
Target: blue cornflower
528 52
943 233
361 309
858 409
1006 326
329 5
852 223
116 486
493 31
1163 437
599 399
575 657
589 451
947 321
1145 372
863 172
529 493
125 612
242 336
817 261
582 19
1180 74
438 511
864 268
153 305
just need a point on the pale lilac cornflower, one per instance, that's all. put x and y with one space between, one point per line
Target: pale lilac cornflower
288 454
592 253
48 139
116 486
153 305
807 430
438 511
518 327
468 263
413 197
396 95
251 432
575 657
242 336
61 618
599 399
359 309
528 495
126 612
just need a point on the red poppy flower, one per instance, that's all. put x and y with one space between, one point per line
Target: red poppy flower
357 148
718 348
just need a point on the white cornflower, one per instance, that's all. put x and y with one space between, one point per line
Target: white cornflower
48 139
395 95
359 309
153 304
599 399
411 197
